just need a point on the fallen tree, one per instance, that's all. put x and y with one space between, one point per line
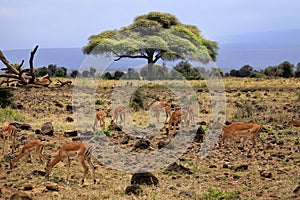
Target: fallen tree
20 76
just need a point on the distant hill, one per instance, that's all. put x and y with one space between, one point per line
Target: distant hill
256 49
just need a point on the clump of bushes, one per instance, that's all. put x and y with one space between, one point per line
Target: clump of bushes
6 98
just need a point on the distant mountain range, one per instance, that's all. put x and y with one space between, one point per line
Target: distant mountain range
256 49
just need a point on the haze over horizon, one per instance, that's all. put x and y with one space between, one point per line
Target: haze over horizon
240 27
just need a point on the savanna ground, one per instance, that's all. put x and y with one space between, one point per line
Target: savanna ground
270 175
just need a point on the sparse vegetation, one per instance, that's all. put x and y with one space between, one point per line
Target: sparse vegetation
270 102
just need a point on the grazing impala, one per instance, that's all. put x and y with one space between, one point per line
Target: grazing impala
100 117
161 107
240 129
293 122
176 117
26 150
119 112
74 149
9 131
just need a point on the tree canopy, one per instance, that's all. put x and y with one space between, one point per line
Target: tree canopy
154 36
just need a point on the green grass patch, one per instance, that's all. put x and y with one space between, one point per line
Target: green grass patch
7 114
215 194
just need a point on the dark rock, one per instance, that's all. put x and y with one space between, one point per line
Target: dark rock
199 135
70 133
133 189
162 144
125 139
212 166
47 129
242 167
38 173
52 187
38 131
297 189
142 144
265 174
58 104
69 108
174 167
69 119
146 178
28 187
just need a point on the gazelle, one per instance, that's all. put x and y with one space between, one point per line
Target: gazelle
293 122
9 131
176 117
119 112
161 107
100 117
74 149
26 150
240 129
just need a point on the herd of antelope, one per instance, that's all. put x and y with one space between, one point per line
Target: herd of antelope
83 152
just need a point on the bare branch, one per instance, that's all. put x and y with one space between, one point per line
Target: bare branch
31 64
130 56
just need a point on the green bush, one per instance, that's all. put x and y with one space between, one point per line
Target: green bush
99 102
6 98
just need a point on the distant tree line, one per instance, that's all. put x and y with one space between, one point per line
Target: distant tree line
284 69
180 70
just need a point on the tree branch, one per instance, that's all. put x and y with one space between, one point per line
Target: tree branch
130 56
31 64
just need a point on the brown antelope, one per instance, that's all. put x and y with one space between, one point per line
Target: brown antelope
26 150
119 112
176 117
191 110
100 117
240 129
74 149
9 131
293 122
161 107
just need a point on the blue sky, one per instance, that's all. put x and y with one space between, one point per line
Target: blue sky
69 23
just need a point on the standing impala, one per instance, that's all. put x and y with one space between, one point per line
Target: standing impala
177 117
9 131
240 129
119 112
74 149
100 117
161 107
27 149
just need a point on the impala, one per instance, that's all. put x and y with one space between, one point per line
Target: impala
9 131
294 122
74 149
119 112
161 107
27 149
177 117
191 110
100 117
240 129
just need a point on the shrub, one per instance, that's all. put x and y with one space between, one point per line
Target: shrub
6 98
99 102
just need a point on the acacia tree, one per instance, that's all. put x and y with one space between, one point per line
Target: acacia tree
154 36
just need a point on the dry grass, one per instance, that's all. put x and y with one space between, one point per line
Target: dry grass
270 102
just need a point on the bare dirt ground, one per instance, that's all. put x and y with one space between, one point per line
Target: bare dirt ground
225 173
